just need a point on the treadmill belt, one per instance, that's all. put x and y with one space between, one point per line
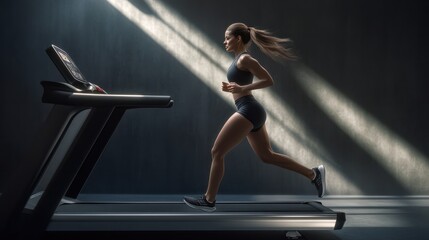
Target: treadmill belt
167 207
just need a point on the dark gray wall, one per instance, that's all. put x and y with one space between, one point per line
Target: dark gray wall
371 51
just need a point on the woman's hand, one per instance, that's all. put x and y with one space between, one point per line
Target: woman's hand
225 86
231 87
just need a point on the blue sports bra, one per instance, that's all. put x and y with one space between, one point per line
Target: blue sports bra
238 76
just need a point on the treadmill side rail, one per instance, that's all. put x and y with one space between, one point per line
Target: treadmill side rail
176 216
148 216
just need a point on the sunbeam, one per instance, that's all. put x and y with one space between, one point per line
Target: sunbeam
402 160
188 45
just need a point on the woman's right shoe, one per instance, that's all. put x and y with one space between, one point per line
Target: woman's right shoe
319 181
200 203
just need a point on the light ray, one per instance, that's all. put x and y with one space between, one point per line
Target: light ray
402 160
188 45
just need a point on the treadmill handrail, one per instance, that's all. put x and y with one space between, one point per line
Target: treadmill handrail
106 100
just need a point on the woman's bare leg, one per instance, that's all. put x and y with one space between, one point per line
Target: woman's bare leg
233 132
260 143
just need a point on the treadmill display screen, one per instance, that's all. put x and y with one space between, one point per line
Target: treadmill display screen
67 67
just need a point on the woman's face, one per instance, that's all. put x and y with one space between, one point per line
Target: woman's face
230 42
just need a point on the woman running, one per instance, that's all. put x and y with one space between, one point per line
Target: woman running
249 120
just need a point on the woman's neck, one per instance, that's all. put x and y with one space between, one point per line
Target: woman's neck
240 51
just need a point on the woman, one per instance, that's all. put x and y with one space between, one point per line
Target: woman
249 120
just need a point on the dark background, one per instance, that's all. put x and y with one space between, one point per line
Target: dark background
373 52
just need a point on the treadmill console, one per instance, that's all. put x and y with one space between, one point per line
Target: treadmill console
70 71
77 91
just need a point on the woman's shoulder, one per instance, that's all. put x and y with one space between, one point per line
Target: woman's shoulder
246 61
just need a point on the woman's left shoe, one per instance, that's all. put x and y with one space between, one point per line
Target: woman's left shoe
200 203
319 181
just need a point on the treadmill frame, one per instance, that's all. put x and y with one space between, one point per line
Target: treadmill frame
78 148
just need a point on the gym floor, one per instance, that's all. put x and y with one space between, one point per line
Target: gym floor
378 217
368 218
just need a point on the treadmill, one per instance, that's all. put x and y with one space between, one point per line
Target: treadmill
44 196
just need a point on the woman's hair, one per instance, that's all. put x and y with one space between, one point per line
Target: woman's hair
270 45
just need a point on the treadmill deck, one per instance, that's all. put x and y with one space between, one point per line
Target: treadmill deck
176 216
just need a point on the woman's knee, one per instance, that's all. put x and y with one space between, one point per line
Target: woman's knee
266 156
217 153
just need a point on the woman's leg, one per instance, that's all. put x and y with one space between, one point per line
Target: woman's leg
260 143
233 132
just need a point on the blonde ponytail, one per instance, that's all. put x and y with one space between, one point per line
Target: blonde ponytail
272 46
265 41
